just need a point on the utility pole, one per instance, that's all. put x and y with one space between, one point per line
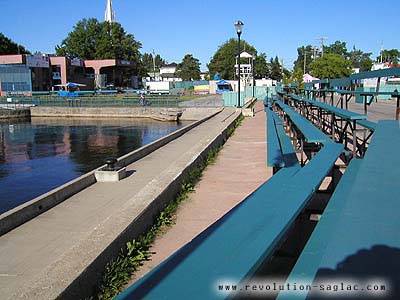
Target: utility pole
322 39
154 65
305 57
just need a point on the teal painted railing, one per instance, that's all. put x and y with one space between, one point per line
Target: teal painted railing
20 101
260 92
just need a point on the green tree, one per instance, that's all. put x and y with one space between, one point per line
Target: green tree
148 62
304 52
91 39
189 68
390 56
337 47
261 68
224 60
360 60
295 76
331 66
7 46
276 72
82 41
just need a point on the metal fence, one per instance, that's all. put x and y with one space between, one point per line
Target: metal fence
19 102
231 98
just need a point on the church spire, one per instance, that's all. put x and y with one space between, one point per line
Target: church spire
109 15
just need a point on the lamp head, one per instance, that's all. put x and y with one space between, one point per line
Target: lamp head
238 26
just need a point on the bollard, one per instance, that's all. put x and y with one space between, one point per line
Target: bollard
110 164
397 96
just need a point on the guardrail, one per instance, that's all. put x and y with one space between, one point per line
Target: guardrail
17 102
231 98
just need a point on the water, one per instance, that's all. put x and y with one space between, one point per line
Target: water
38 156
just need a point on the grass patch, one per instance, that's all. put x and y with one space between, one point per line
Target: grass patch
118 272
236 125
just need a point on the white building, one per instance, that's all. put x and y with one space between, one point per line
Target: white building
167 73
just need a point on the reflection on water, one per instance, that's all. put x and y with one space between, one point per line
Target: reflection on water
40 155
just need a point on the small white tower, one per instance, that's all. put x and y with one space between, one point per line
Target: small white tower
109 15
246 69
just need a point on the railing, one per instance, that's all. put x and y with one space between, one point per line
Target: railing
20 102
260 92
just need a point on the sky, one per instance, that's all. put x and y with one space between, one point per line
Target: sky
174 28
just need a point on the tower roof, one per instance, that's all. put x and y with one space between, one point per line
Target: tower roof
109 15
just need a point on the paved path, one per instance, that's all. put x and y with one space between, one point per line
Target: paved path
39 259
382 110
206 101
239 169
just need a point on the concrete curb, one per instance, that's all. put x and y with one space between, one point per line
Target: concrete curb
157 113
8 114
83 285
29 210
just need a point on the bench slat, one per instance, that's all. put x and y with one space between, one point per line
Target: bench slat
237 244
366 228
307 264
367 124
274 153
311 133
343 113
288 152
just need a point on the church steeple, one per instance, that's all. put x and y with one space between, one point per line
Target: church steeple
109 15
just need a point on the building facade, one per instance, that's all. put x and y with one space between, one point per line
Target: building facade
25 73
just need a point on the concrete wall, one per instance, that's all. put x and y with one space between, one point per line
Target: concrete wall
161 114
14 114
27 211
62 62
82 284
12 59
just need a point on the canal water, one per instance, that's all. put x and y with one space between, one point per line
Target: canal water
39 155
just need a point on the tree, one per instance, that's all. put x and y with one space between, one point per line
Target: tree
390 56
337 47
360 60
7 46
148 62
331 66
82 41
261 68
276 69
295 76
224 59
91 39
189 68
302 51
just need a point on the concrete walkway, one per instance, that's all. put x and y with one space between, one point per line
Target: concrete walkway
382 110
239 169
44 256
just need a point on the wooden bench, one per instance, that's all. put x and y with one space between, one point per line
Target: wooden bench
280 151
237 245
310 133
357 236
307 136
337 122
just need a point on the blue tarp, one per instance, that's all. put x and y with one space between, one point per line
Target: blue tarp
223 86
223 82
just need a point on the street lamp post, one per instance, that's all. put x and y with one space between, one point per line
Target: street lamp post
154 65
252 71
238 26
